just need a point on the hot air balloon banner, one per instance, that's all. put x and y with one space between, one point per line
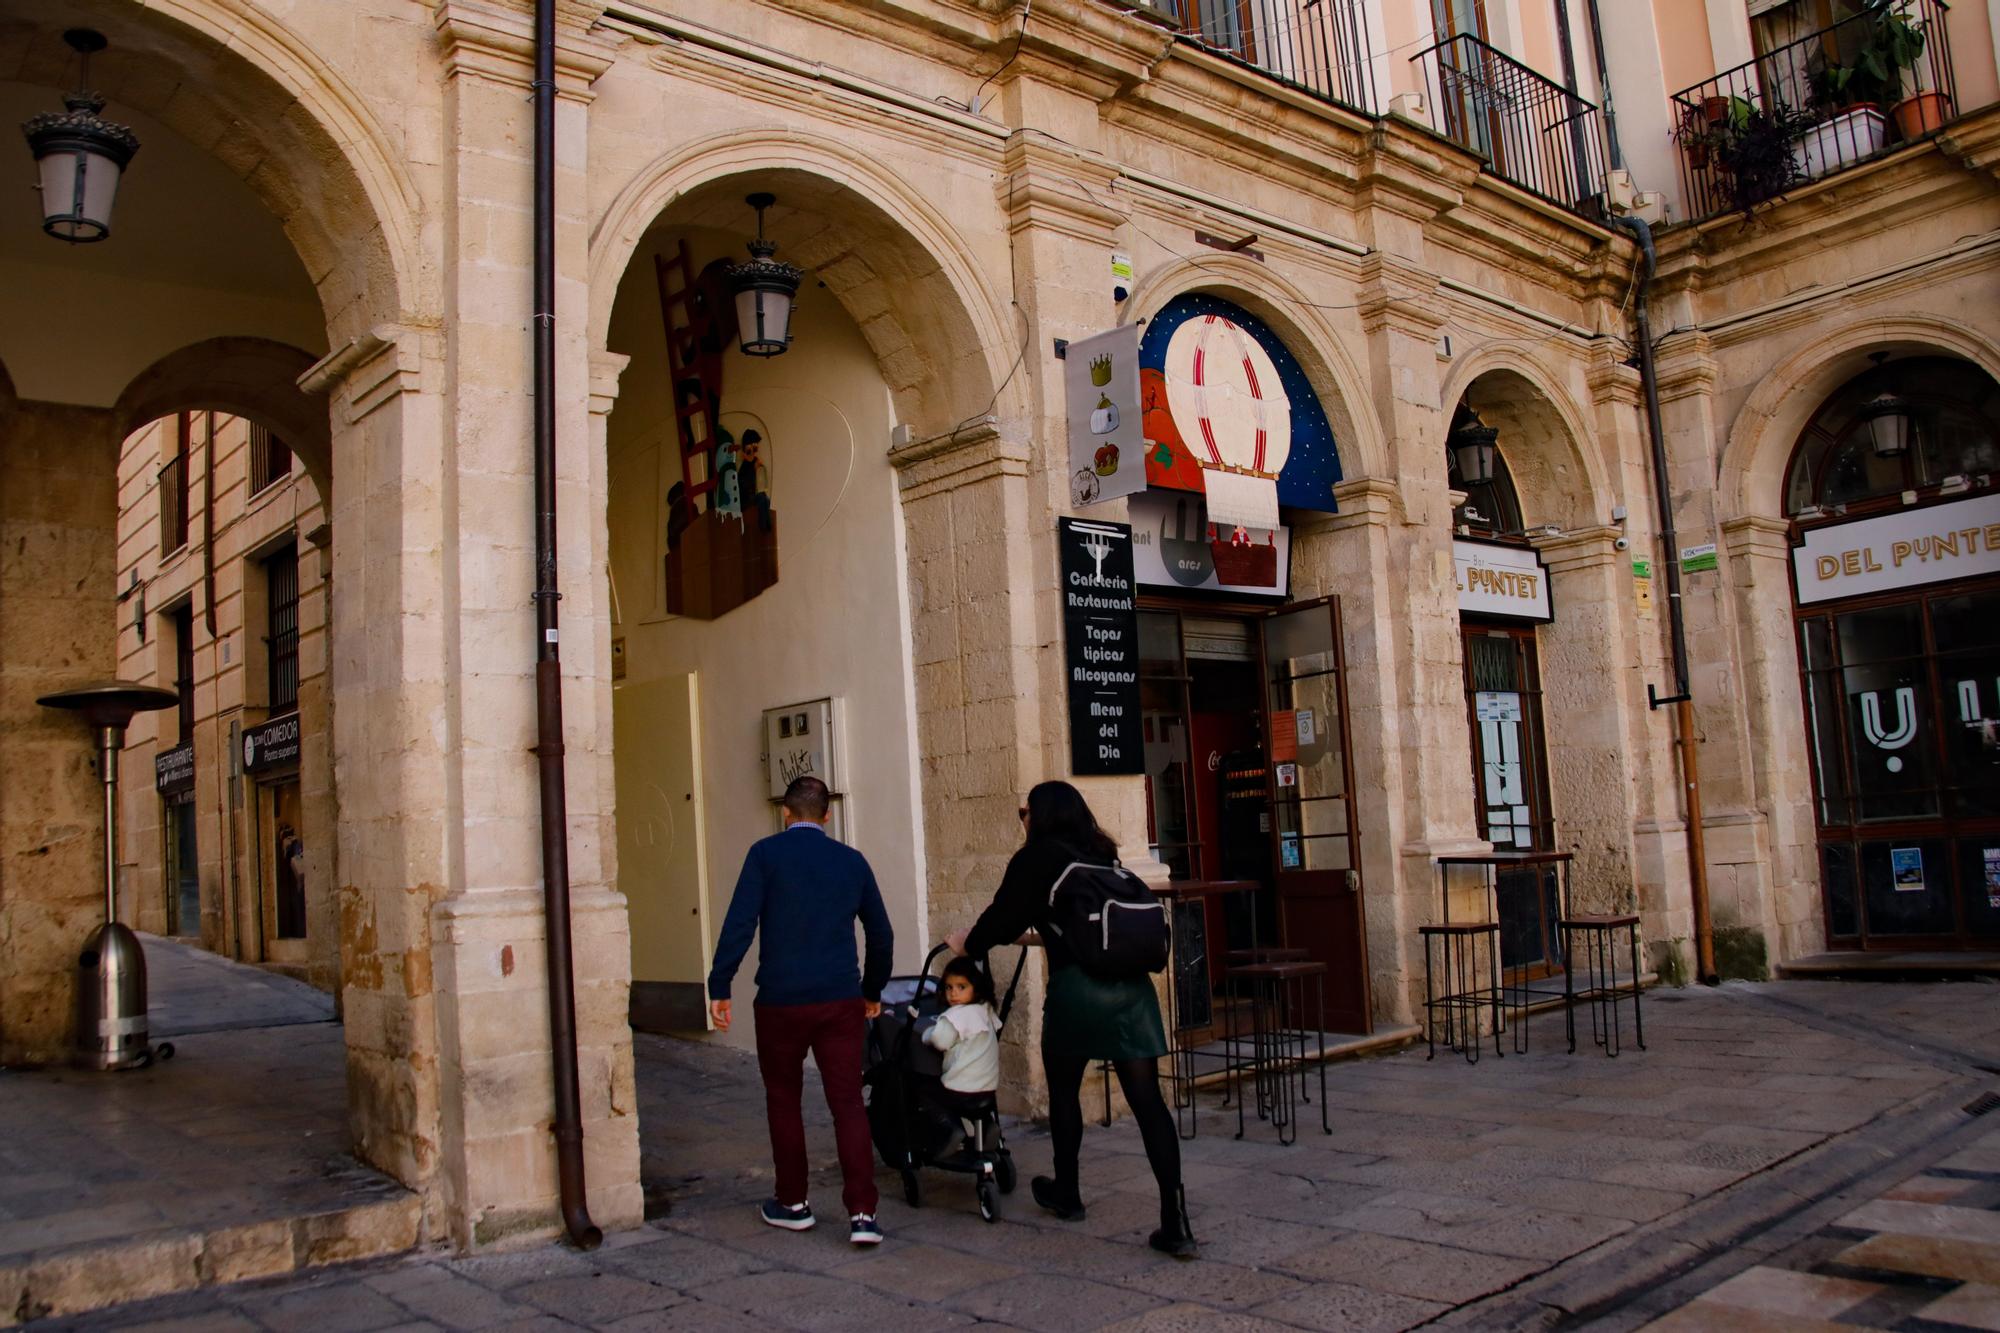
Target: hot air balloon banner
1228 412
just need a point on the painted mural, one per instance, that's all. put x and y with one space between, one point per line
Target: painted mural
1229 414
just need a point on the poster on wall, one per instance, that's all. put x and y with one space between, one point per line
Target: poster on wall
1106 434
1101 647
1990 860
1174 547
1906 867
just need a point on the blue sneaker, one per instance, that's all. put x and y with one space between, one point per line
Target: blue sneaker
787 1216
861 1229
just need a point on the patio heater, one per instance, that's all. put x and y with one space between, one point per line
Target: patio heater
111 1029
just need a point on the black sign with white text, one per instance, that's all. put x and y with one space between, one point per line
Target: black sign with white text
272 745
173 770
1101 648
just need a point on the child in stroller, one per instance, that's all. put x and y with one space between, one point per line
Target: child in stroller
918 1104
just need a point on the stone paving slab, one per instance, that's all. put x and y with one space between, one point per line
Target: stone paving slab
1447 1193
224 1163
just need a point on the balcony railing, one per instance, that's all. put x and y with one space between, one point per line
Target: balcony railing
1530 129
1866 86
1317 46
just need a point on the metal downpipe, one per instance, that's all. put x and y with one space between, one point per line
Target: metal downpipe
548 661
1682 698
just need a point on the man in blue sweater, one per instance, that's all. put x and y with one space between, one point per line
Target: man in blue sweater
801 891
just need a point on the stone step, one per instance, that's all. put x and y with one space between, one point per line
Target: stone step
75 1279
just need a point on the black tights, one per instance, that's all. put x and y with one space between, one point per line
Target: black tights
1140 1080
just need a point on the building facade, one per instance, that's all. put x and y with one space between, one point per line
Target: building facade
1399 588
224 601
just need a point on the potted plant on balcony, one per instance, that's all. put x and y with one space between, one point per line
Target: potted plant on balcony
1750 147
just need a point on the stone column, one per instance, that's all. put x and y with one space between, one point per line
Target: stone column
486 926
58 611
1758 552
1400 311
1734 819
1590 669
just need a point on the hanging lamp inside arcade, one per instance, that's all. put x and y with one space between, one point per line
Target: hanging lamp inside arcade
80 155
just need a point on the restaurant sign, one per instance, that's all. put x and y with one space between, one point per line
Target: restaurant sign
1495 580
1901 550
272 745
173 770
1101 647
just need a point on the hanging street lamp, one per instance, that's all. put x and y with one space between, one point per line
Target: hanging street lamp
1472 449
1890 424
764 288
80 154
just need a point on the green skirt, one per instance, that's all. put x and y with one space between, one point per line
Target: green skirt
1087 1019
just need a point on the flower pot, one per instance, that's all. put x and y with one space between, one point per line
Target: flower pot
1715 110
1854 134
1920 113
1697 154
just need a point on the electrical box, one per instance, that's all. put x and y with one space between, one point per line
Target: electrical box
802 740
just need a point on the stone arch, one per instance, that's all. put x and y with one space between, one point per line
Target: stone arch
852 225
1549 450
1751 475
1335 376
239 84
245 377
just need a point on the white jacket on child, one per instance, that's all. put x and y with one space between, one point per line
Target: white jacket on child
968 1034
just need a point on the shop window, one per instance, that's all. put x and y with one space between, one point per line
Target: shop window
281 636
270 459
1902 707
1954 433
1504 698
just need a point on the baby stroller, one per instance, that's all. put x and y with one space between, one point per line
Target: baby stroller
915 1120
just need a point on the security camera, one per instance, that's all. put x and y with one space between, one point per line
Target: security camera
1621 544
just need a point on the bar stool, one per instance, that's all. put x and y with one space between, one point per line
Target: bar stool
1277 993
1602 991
1462 1000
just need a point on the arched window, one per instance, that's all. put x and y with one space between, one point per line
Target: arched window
1492 507
1847 455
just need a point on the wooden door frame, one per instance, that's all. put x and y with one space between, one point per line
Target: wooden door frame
1359 886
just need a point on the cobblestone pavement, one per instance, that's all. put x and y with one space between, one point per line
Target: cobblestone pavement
1768 1132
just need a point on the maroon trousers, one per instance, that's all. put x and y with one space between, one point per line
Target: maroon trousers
835 1033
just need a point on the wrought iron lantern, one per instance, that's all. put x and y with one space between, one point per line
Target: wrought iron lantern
1890 424
80 155
1472 449
764 289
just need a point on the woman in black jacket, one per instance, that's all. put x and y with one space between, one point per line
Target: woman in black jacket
1084 1019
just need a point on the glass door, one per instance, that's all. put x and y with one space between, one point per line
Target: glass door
1510 784
1902 701
183 868
1318 866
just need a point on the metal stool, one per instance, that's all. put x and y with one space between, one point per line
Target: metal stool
1602 992
1462 1000
1278 1050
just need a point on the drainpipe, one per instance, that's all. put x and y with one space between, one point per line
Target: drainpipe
1682 699
1604 86
548 659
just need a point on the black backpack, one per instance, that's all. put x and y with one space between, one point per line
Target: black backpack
1114 926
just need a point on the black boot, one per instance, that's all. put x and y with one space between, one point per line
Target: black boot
1068 1208
1175 1237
